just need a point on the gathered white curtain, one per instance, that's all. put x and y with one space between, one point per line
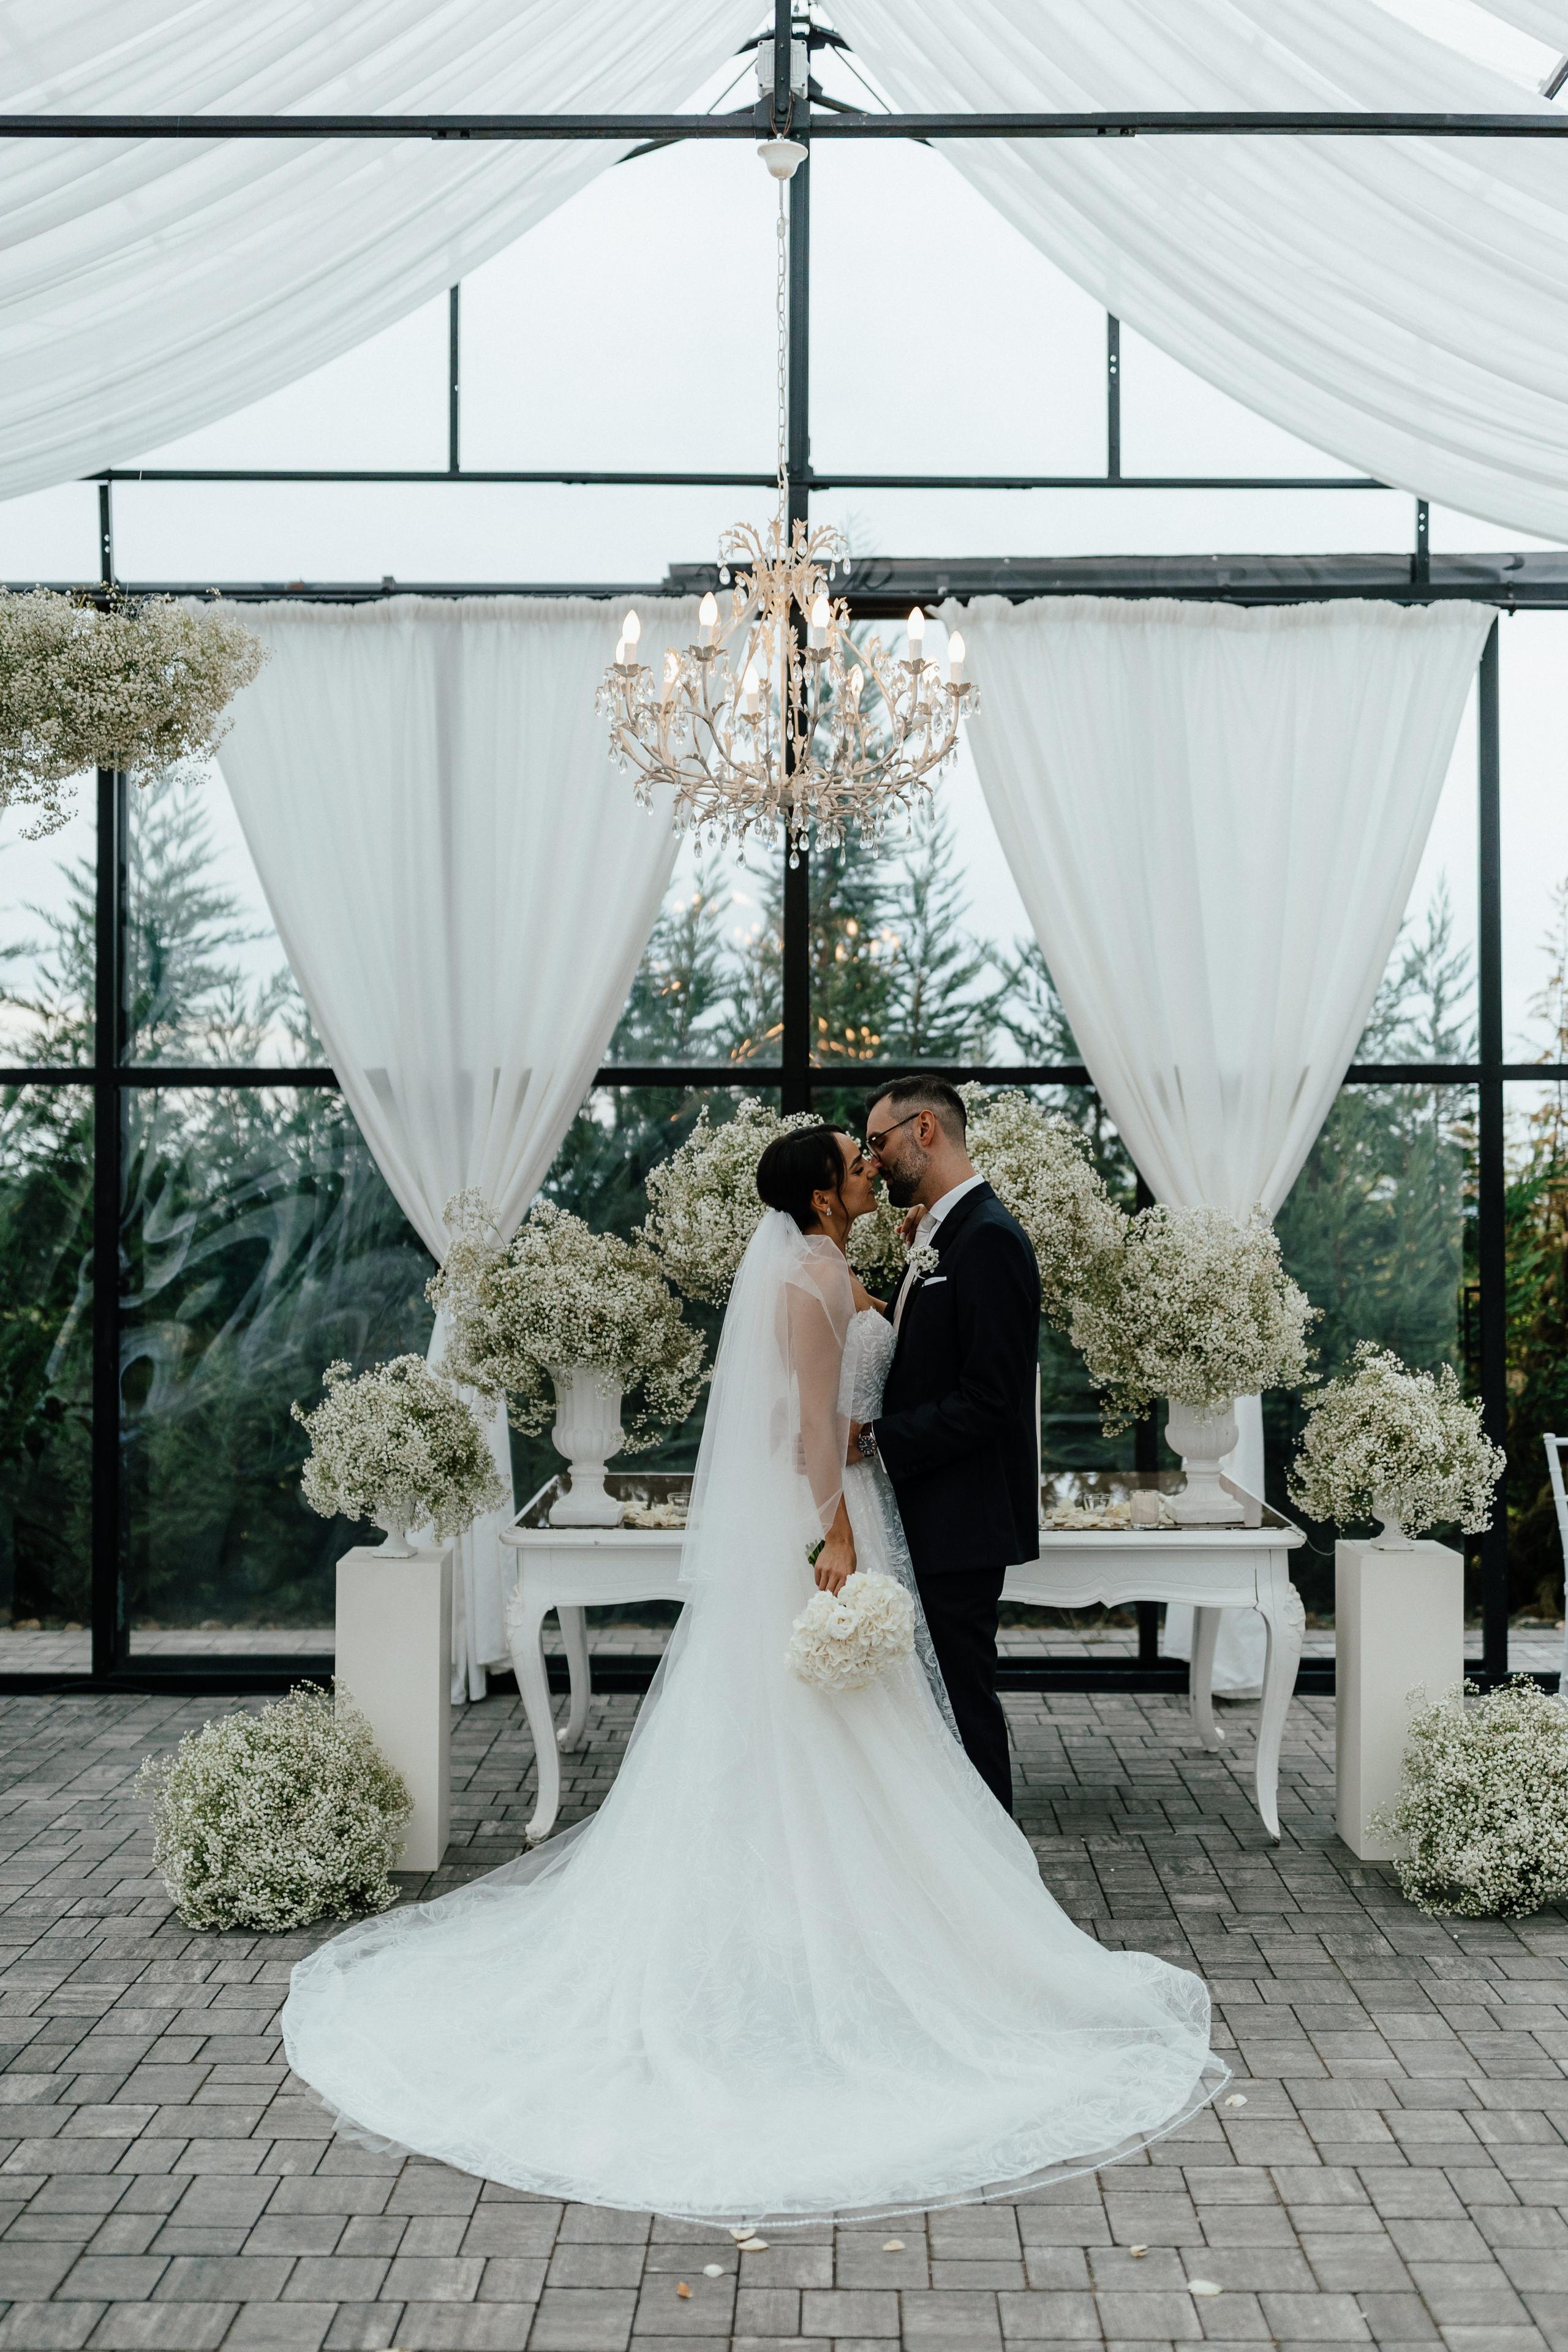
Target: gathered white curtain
1215 817
464 885
148 286
1402 304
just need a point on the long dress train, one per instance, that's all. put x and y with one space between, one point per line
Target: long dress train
800 1962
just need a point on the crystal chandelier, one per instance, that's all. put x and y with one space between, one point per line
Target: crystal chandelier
764 722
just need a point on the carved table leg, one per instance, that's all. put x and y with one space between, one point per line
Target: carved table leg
574 1637
1286 1619
524 1623
1200 1676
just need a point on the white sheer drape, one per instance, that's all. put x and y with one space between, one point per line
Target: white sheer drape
1400 303
463 885
149 287
1214 818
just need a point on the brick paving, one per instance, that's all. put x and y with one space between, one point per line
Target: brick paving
1398 2174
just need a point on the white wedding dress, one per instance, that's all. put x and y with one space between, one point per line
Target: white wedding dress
799 1962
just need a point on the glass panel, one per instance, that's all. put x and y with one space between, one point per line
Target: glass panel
195 533
709 986
992 523
207 978
1174 422
1533 652
383 404
1026 327
46 1397
260 1243
46 893
1379 1232
1537 1366
698 399
50 535
1424 1010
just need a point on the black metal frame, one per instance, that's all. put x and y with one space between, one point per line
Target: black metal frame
880 587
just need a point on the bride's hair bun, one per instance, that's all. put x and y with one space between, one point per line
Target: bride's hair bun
795 1166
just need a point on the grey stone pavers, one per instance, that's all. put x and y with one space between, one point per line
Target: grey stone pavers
1396 2175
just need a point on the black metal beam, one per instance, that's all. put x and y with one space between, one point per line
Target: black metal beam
583 477
1491 1172
453 383
1145 122
795 1044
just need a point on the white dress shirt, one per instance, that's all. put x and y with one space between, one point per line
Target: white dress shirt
926 1231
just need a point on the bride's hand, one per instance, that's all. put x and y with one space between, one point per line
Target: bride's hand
834 1563
910 1223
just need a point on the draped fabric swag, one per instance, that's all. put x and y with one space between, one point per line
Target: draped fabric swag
1402 304
1215 817
148 288
464 886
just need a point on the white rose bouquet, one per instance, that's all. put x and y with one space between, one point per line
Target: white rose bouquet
557 1295
842 1641
1383 1442
1482 1809
1192 1305
138 686
400 1446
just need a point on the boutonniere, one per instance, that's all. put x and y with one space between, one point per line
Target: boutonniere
925 1260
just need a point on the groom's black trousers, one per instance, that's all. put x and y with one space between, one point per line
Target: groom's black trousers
961 1606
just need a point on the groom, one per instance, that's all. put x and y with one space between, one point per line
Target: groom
956 1430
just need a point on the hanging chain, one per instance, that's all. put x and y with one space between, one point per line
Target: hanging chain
781 303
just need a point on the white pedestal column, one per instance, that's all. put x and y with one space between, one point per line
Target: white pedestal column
1399 1620
395 1648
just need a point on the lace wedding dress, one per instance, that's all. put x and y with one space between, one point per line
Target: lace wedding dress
799 1962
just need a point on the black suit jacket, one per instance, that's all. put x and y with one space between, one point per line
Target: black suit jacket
957 1425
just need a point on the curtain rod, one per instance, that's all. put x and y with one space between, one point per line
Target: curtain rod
1160 122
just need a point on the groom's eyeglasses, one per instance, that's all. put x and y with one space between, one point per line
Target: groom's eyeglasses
874 1142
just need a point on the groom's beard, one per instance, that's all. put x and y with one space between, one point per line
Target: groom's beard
903 1185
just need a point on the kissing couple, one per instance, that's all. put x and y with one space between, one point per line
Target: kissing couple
800 1963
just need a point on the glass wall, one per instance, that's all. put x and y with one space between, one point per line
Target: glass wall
260 1244
46 1355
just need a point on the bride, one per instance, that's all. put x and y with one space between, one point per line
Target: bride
800 1962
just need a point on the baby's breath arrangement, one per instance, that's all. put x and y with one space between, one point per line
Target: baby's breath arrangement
1482 1809
272 1820
703 1205
397 1444
1192 1305
138 686
1384 1441
558 1295
1039 1165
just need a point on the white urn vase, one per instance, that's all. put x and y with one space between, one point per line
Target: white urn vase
395 1527
1202 1440
1391 1535
588 1431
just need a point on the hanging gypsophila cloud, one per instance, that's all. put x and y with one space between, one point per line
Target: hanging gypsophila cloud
1041 1168
558 1295
139 685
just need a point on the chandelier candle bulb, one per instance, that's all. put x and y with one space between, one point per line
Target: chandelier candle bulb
917 629
820 615
954 658
631 630
708 614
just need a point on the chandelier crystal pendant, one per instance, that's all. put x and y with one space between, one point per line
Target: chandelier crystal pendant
778 716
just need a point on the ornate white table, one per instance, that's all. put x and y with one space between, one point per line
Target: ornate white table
1215 1568
569 1570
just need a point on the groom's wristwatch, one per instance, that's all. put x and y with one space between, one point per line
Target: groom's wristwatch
866 1443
